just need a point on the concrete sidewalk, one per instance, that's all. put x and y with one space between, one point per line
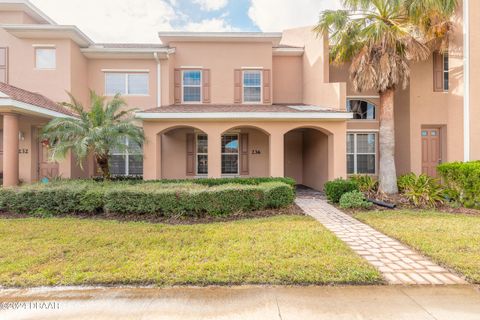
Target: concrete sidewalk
382 303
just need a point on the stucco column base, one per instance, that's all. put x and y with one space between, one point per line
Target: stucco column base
214 153
10 149
277 158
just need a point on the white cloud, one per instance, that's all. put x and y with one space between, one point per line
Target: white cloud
209 25
114 20
211 5
277 15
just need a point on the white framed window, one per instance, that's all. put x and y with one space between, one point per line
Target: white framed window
127 162
202 154
191 86
136 83
446 73
45 58
361 109
362 153
252 86
230 154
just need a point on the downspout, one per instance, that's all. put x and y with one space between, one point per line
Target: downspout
159 82
466 75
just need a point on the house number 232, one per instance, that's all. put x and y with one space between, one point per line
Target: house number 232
22 151
256 152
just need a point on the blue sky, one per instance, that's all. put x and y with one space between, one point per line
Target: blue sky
138 21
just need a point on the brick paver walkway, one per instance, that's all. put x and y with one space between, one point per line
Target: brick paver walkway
398 263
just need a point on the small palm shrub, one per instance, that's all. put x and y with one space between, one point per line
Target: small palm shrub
422 190
366 184
406 180
354 200
335 189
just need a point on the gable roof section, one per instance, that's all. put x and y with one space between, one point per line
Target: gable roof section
11 96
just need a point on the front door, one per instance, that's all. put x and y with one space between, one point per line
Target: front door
431 153
47 169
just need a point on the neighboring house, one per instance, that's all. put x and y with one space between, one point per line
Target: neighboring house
228 104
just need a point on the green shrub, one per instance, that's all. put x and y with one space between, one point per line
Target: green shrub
167 198
354 200
367 184
422 190
406 180
337 188
463 182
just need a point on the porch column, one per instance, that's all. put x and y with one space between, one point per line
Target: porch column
10 149
214 153
277 155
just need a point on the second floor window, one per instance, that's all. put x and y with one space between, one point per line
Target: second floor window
192 86
362 110
45 58
126 83
446 76
252 86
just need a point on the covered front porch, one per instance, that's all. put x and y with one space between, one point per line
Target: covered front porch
307 146
24 158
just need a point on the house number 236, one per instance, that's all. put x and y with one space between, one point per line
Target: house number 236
22 151
256 152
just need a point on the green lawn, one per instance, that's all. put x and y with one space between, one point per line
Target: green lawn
276 250
452 240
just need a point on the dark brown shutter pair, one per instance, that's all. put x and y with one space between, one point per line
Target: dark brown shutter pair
238 86
4 65
244 156
205 86
438 83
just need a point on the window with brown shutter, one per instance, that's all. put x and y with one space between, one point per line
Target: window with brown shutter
190 154
206 85
4 65
440 72
267 87
238 86
178 86
244 159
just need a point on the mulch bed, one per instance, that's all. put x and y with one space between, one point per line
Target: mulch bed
175 220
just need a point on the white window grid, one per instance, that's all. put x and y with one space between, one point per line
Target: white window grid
126 75
237 136
355 152
251 86
446 72
201 135
127 154
53 50
192 86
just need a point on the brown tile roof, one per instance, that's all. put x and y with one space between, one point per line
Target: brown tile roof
239 108
32 98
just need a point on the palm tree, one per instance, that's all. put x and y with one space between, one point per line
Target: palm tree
381 38
98 131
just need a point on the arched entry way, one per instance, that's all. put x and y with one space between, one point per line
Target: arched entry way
184 153
307 156
245 152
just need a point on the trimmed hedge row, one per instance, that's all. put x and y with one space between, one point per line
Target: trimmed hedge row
463 182
205 182
185 198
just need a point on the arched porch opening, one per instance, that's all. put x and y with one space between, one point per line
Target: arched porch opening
307 154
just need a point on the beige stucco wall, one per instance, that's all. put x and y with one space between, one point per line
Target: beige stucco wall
16 17
287 79
222 59
475 79
153 155
96 79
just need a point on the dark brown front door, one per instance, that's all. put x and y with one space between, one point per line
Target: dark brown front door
431 154
46 168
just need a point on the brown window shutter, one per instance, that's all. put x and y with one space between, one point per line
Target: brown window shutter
206 85
267 91
437 72
178 86
190 154
238 86
244 160
4 65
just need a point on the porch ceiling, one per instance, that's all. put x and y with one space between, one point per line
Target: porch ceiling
243 112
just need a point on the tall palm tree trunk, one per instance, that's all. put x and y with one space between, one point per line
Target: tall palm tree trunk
387 172
103 164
